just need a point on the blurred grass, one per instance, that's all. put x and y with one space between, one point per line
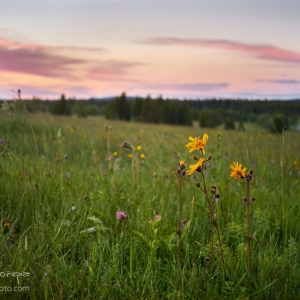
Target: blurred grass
45 176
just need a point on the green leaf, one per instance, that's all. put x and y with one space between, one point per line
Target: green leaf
142 238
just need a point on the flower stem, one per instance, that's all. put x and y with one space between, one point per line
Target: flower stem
248 229
222 253
284 217
211 221
179 231
132 170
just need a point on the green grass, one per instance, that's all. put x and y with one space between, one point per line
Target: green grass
45 175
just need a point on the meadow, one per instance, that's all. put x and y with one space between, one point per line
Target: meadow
84 218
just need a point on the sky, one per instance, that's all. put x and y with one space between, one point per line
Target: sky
187 49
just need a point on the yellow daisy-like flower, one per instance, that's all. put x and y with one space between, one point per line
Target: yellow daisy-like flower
138 148
130 155
142 155
237 171
115 153
182 162
196 167
197 144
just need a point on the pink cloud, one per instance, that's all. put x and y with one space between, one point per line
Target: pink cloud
39 59
113 70
36 62
4 43
280 81
15 45
267 52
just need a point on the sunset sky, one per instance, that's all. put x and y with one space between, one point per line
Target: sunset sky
190 49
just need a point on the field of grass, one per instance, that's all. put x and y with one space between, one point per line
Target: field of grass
63 180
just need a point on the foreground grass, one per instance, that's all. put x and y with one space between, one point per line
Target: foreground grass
64 179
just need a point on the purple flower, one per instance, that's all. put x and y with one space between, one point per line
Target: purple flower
157 217
1 141
121 215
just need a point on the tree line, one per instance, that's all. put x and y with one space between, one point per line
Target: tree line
210 113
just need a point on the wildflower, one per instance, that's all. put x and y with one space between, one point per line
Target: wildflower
217 197
138 148
157 217
182 164
130 155
126 145
142 155
237 171
196 167
7 222
197 144
121 215
115 153
106 127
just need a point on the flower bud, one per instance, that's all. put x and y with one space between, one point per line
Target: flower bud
195 157
181 166
207 260
209 157
197 184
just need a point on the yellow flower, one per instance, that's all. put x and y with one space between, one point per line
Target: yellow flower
130 155
182 162
237 171
196 167
197 144
115 153
138 148
142 156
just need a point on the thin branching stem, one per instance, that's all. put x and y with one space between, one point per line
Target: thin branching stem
248 228
179 231
211 220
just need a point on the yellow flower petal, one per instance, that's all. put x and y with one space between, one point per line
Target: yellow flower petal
196 167
197 144
237 170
